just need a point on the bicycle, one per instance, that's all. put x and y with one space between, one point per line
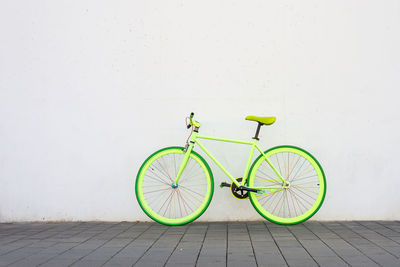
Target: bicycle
285 184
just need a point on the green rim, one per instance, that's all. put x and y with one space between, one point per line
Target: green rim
321 191
159 218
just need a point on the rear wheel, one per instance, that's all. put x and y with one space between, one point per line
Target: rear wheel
296 202
168 204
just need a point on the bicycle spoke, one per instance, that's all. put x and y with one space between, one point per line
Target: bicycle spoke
298 159
279 166
163 168
294 188
268 180
286 164
179 202
273 211
267 175
193 200
156 191
304 174
166 200
183 202
192 196
299 203
274 192
274 196
304 161
191 190
307 188
176 169
314 175
294 206
158 176
284 203
310 182
297 194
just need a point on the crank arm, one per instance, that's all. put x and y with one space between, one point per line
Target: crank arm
250 189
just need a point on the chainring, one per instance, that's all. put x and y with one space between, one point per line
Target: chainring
237 192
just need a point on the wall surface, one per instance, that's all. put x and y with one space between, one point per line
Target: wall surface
88 89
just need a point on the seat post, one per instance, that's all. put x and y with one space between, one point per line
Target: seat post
258 131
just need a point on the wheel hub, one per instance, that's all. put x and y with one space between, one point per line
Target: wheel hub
286 185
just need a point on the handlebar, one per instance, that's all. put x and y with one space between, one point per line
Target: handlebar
193 123
190 118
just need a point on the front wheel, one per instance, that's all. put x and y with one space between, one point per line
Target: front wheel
168 204
302 193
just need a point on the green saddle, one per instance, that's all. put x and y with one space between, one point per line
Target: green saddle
263 120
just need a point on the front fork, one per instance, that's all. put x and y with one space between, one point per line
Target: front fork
188 150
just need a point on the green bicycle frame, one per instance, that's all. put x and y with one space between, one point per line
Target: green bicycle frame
194 140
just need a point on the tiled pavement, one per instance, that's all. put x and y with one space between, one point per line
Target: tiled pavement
354 243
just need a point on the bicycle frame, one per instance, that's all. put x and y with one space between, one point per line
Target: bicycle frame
195 140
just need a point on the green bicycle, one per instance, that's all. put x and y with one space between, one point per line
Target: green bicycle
285 184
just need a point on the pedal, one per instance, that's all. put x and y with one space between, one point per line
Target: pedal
223 184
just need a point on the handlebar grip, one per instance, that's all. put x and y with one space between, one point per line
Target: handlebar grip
191 115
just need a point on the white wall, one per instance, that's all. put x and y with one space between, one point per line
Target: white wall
88 89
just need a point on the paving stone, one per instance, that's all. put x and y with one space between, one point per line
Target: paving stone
44 255
335 243
216 260
188 249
